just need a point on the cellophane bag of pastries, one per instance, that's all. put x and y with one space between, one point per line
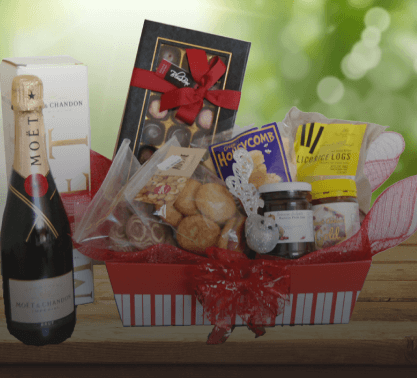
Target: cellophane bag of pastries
108 220
332 149
179 192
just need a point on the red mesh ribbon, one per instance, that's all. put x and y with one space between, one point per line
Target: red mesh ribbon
228 284
190 100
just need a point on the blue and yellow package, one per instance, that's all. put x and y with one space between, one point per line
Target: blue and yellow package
267 150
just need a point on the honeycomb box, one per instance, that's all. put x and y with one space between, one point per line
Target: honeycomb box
142 122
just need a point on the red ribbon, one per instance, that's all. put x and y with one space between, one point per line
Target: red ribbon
229 284
190 100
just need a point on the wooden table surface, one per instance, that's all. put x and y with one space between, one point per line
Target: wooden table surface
381 337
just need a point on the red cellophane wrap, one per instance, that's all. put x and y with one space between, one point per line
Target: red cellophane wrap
228 283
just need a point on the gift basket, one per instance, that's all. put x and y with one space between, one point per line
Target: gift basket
190 240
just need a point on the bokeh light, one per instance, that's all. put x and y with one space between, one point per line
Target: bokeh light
330 90
371 36
378 17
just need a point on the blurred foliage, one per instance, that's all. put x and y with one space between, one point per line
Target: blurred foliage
347 59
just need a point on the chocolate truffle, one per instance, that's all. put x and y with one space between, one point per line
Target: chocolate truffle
153 133
182 133
205 119
145 152
153 109
169 53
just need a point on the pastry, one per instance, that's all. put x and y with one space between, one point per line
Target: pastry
185 202
196 233
215 202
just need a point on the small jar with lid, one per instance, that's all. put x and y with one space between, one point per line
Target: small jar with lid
335 211
288 204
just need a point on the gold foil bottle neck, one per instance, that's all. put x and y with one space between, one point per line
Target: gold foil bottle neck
27 93
30 156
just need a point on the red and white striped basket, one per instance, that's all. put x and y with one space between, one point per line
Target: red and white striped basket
160 294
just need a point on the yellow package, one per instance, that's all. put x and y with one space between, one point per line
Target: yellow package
328 150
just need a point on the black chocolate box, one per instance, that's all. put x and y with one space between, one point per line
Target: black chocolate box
143 122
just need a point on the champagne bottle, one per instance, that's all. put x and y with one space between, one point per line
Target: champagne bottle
36 245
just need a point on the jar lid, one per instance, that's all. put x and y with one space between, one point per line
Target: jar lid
333 188
286 187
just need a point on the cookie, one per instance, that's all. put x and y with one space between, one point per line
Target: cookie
169 214
196 233
215 202
223 240
143 235
117 232
185 202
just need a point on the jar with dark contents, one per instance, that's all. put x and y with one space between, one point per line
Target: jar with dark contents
335 211
288 204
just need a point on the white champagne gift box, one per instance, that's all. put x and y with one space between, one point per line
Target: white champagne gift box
67 127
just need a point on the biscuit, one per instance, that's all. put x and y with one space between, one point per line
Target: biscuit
143 235
223 240
215 202
185 202
169 214
196 233
117 232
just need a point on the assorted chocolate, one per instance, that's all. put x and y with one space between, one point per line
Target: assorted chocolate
162 50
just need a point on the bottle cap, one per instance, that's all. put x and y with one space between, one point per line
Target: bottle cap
27 93
333 188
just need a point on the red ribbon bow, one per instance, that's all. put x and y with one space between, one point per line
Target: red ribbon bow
190 100
229 284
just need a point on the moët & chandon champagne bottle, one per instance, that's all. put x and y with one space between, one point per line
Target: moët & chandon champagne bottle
36 245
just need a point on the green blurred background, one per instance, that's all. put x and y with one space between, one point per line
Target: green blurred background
350 59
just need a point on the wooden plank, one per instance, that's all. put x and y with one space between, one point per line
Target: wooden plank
385 311
402 291
202 371
371 343
401 253
412 240
392 272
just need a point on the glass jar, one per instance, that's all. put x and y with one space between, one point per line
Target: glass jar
288 204
335 211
